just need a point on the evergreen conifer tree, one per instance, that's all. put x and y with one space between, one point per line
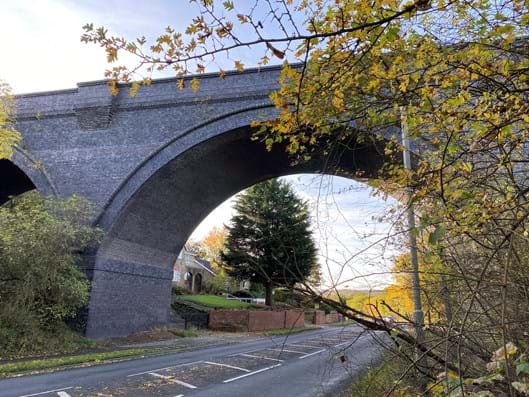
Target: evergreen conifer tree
269 240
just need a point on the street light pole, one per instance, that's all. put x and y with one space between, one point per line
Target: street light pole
418 315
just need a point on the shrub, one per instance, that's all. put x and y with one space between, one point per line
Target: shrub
243 294
381 378
220 283
41 284
178 290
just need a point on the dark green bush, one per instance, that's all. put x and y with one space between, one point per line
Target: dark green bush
178 290
41 284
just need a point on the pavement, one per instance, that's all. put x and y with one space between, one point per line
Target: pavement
315 363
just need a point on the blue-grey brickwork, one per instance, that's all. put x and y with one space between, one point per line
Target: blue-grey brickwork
154 165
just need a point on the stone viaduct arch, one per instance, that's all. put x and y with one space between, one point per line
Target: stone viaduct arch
20 174
155 166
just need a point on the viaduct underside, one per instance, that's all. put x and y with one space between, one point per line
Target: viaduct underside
154 165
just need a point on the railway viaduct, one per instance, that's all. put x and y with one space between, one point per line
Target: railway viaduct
154 166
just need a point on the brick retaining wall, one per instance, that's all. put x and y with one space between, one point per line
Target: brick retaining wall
254 320
318 317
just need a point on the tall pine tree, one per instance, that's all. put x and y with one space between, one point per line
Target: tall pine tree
269 240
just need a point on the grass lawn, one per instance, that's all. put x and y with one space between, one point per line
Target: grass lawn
216 302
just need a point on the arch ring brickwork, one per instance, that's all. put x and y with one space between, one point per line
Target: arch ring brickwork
35 171
161 202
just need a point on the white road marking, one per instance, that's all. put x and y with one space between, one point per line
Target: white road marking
251 373
300 345
341 344
180 395
46 392
63 394
247 351
228 366
173 380
313 344
312 354
160 369
264 358
287 351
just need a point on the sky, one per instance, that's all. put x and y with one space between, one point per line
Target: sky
41 50
356 248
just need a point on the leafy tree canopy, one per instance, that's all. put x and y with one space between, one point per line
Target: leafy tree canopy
41 284
211 246
8 136
269 240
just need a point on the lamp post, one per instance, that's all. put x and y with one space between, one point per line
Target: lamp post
418 316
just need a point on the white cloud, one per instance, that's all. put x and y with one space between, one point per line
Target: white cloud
41 48
345 231
43 51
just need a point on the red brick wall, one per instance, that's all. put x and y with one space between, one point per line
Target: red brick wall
254 320
333 317
319 317
266 320
294 319
228 320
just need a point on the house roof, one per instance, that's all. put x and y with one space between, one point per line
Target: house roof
196 262
205 264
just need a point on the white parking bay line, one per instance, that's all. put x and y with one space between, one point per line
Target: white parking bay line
287 351
300 345
227 366
312 354
173 380
250 373
160 369
63 394
263 357
46 392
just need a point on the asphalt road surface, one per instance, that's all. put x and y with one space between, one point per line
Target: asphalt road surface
314 363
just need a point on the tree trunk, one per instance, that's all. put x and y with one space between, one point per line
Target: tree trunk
269 300
445 292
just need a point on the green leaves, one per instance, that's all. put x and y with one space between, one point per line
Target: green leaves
269 240
9 137
522 368
41 284
434 237
228 5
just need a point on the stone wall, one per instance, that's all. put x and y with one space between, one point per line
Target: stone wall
254 320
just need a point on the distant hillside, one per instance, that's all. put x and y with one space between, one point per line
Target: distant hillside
350 293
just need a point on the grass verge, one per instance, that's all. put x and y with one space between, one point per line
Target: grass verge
184 333
216 302
342 323
378 380
288 331
20 367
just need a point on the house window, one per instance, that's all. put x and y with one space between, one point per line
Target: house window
176 276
